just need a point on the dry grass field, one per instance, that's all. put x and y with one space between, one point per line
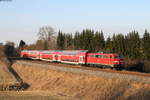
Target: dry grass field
5 75
82 86
32 96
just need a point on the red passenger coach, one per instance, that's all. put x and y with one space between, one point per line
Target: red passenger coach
73 56
102 59
50 55
24 53
34 54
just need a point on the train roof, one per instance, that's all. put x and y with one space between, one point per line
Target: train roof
31 50
103 53
51 51
74 52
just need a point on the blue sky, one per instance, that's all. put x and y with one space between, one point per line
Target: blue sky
21 19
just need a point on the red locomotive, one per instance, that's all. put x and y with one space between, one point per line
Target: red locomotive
81 57
104 60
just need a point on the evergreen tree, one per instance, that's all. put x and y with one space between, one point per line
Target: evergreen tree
114 43
98 42
76 40
133 45
119 43
60 41
83 40
146 45
21 44
68 41
108 45
86 39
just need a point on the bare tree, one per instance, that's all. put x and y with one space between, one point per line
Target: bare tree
10 43
46 35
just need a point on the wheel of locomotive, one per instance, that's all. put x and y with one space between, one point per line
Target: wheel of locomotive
104 66
119 68
113 68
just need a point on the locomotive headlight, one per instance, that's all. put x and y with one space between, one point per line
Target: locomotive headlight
116 61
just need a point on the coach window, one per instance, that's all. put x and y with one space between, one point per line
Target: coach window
96 56
117 57
89 56
100 56
105 56
93 56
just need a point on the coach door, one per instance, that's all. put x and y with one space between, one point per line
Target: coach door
81 59
110 59
53 57
59 58
40 56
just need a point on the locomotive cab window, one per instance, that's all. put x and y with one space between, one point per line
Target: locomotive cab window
117 57
96 56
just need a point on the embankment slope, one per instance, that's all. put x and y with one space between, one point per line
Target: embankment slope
80 85
7 79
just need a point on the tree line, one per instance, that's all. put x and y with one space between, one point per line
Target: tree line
131 45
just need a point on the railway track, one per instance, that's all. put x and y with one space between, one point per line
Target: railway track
126 75
91 68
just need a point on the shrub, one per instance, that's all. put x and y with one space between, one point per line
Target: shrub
137 65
